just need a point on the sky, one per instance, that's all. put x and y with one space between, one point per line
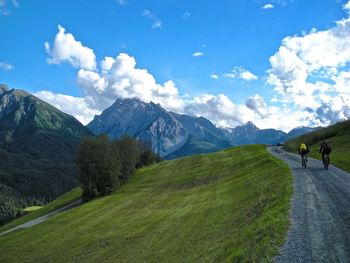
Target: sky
278 63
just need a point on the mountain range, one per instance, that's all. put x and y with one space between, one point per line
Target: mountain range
171 135
175 135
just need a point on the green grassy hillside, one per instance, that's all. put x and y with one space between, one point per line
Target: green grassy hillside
339 137
227 206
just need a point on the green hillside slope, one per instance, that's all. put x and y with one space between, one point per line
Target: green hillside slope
339 137
227 206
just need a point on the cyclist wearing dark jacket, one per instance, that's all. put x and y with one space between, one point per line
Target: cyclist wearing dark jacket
325 149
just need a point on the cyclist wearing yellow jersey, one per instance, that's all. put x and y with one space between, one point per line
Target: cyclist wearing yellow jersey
303 151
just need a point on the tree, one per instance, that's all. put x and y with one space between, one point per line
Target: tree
147 156
129 156
98 167
104 164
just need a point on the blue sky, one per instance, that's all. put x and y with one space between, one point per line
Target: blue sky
230 81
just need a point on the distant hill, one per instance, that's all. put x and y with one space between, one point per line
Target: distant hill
38 144
216 207
170 134
339 137
300 131
250 134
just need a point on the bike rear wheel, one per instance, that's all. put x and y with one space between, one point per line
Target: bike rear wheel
303 161
326 162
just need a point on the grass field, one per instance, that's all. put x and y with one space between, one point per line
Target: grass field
57 203
228 206
339 137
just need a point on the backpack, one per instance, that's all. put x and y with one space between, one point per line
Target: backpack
303 148
327 148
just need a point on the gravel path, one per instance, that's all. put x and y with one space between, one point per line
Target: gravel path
42 218
320 214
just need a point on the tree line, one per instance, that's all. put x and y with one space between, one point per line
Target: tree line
105 164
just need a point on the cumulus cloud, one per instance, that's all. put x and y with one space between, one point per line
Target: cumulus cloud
241 73
347 6
311 72
268 6
214 76
66 48
157 23
219 109
197 54
6 66
258 105
120 78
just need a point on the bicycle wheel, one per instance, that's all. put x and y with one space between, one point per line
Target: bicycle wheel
303 161
326 161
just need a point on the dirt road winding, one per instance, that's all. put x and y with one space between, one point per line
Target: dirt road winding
320 214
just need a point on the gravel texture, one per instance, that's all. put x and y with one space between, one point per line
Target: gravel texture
320 213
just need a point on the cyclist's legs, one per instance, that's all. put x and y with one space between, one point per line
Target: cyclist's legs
302 158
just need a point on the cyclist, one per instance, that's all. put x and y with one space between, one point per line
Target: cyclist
303 151
325 149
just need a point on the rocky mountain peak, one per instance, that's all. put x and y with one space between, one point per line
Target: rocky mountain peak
251 125
3 88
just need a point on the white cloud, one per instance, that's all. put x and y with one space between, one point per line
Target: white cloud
6 66
66 48
241 73
311 72
258 105
219 109
120 78
268 6
77 107
214 76
157 23
197 54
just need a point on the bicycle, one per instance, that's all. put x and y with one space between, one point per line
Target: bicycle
326 161
303 160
